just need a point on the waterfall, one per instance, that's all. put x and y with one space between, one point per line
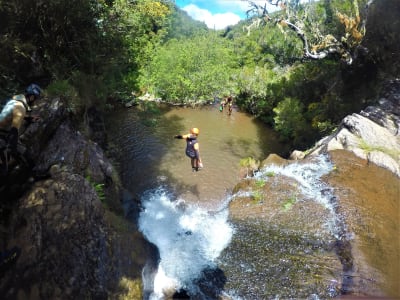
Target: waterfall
189 240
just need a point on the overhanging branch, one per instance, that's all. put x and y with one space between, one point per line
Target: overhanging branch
328 44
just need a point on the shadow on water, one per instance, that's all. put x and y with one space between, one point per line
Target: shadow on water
210 284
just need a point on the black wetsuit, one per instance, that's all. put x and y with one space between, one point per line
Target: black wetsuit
190 151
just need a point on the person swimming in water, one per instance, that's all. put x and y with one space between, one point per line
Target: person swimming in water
192 148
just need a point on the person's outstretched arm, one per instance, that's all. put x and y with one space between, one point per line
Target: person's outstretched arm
180 136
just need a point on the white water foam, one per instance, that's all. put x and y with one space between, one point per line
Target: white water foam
189 239
308 176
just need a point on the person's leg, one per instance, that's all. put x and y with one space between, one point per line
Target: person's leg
192 162
195 164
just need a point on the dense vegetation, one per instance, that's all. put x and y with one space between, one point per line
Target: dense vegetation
98 51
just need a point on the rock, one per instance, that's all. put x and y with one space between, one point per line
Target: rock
71 150
131 103
282 235
297 155
73 244
373 134
274 159
384 118
60 227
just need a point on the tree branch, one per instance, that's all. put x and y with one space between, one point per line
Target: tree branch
328 45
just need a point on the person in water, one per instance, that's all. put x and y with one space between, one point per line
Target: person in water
222 105
192 148
229 103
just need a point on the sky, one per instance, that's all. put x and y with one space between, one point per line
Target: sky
216 14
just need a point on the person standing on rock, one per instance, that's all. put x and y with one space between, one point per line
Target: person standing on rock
192 148
16 110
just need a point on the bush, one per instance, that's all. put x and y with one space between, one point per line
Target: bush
289 121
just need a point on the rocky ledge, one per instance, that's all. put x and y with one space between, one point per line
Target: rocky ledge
66 218
373 134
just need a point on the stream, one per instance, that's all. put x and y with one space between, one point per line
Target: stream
204 253
151 157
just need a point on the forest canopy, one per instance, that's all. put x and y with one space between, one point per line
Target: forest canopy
290 68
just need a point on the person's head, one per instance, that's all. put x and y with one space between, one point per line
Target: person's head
32 93
195 131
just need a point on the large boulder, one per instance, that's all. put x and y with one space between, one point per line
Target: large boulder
60 227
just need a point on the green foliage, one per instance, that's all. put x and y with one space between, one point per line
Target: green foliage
103 41
249 162
258 197
99 188
289 203
62 88
97 50
259 90
260 183
289 119
182 70
53 38
180 25
286 48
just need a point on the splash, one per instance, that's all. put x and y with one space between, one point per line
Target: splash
188 238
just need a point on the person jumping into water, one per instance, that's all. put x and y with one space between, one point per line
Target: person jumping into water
192 148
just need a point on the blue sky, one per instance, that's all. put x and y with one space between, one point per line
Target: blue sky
218 14
215 13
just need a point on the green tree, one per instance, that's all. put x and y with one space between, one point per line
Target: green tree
181 25
289 121
98 40
199 68
313 25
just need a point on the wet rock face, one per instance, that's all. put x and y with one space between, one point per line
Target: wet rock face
368 201
282 243
72 246
60 227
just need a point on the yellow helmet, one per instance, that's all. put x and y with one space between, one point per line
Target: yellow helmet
194 131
